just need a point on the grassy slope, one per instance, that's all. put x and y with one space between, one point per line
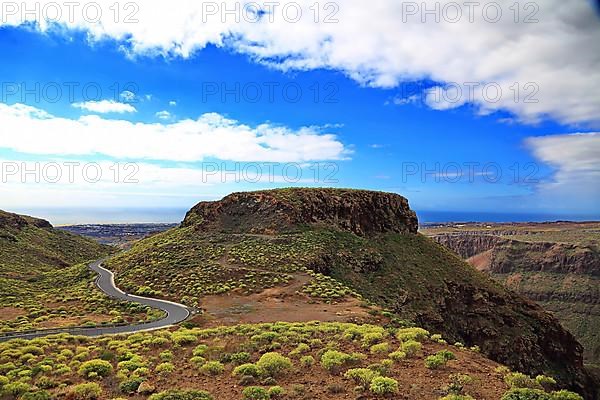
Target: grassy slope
44 282
409 274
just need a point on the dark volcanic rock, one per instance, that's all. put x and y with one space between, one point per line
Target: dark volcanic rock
358 211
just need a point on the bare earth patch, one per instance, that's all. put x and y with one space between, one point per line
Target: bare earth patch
10 313
279 304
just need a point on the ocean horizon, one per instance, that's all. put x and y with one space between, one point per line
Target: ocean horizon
77 216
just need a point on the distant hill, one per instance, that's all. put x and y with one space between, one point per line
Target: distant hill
234 256
30 245
44 282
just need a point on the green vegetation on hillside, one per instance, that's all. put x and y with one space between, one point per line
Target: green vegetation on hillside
44 283
266 361
417 279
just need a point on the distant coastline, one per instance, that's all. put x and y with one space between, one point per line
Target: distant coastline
80 216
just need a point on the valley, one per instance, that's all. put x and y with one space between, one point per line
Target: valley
554 264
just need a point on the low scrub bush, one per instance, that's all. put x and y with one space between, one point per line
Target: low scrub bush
255 393
212 368
181 395
526 394
383 386
362 376
86 391
95 368
246 370
273 364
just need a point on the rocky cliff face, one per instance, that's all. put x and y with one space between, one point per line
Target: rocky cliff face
360 212
506 255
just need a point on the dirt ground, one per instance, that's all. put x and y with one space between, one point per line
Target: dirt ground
284 303
10 313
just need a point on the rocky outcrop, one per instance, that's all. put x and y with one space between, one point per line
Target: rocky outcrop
358 211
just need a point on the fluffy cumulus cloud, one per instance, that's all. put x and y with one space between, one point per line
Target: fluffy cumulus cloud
575 158
210 136
105 107
543 56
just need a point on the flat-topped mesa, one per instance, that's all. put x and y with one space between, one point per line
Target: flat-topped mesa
358 211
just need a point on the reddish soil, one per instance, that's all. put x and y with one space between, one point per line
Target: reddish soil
278 304
10 313
481 261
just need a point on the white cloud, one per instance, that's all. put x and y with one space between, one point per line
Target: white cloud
105 107
172 103
127 96
164 115
381 45
209 136
576 160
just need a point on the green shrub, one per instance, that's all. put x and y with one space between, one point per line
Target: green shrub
39 395
276 392
446 355
526 394
164 368
362 376
416 334
518 380
181 395
130 386
274 364
16 388
379 348
93 368
457 397
333 360
411 347
565 395
546 382
198 361
212 368
166 355
247 370
200 350
435 362
255 393
397 355
45 383
86 391
240 358
307 361
302 348
383 386
3 381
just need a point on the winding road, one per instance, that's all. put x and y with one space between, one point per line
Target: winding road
105 281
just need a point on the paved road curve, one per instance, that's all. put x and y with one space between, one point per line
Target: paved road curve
106 282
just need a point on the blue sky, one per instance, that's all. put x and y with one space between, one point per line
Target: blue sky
163 119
